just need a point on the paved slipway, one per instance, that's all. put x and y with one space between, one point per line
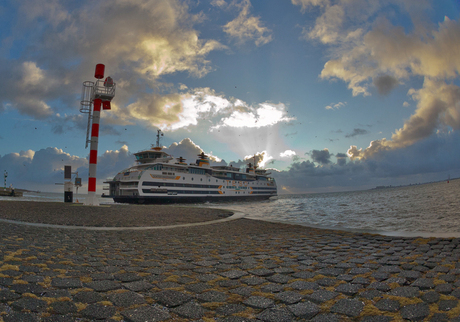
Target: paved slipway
233 270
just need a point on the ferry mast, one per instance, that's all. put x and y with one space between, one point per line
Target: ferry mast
159 133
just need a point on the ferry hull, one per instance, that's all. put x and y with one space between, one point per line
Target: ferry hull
182 199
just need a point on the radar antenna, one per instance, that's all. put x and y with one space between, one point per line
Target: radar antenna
159 134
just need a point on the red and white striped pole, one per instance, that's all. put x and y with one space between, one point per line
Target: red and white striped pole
92 199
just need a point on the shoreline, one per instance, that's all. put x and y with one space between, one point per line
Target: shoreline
368 231
165 216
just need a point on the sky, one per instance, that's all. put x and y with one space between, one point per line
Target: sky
331 95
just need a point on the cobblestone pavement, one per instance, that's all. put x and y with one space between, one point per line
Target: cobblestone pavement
242 270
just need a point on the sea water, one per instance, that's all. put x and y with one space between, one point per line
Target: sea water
431 209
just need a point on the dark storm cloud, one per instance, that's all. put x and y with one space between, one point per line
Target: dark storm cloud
341 159
356 132
429 159
385 84
321 156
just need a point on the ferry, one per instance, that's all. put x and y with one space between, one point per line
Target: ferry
159 178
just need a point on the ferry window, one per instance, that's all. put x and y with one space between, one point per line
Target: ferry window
192 179
201 179
183 178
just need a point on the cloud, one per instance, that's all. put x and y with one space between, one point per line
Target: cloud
438 105
265 114
34 169
341 159
428 160
187 149
28 90
385 84
366 48
321 156
305 4
260 159
42 169
357 132
137 41
328 25
184 109
386 49
163 111
111 162
218 3
247 28
336 106
287 154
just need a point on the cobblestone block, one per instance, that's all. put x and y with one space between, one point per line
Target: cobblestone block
303 285
306 310
171 298
28 288
253 281
212 296
388 305
88 297
444 288
235 274
415 312
279 278
229 309
98 311
29 304
276 315
259 302
289 297
103 286
20 317
7 295
321 296
66 283
138 286
145 314
63 308
262 272
349 307
126 299
447 305
190 310
405 291
348 289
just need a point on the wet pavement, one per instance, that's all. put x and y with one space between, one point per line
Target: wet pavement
240 270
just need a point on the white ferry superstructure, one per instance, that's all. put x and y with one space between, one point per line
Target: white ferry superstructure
161 178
